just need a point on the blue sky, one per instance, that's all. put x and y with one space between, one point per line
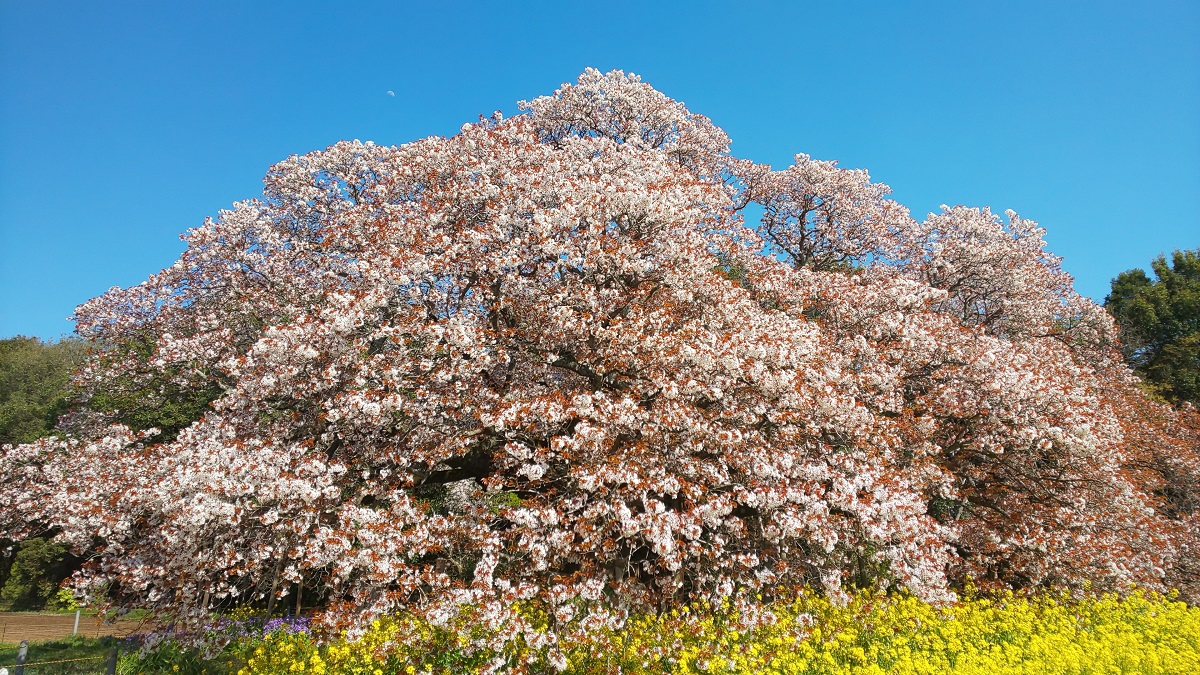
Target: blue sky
123 124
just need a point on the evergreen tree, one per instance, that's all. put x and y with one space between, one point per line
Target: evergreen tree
1160 324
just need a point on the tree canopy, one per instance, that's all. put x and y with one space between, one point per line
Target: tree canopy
34 385
1159 321
547 360
34 391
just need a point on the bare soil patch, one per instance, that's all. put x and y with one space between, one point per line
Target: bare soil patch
38 626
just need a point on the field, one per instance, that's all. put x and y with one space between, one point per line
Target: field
73 655
42 626
872 635
50 640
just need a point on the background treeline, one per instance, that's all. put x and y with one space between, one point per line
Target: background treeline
1159 318
35 385
35 391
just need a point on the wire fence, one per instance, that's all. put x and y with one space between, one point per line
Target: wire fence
24 665
39 667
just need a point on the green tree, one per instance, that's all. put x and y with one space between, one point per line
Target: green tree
37 570
1160 324
34 385
34 390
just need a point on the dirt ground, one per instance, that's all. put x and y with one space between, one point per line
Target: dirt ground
36 626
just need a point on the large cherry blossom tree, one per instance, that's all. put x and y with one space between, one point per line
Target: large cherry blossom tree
547 359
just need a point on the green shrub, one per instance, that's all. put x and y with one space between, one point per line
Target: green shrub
37 570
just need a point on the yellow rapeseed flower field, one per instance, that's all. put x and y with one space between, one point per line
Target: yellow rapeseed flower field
872 634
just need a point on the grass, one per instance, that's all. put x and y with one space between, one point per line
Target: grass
95 651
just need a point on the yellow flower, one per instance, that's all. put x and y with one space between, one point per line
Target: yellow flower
872 635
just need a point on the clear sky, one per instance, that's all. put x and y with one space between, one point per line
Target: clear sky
124 123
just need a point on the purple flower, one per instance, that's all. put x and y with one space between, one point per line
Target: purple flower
287 624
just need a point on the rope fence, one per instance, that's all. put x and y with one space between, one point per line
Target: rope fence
22 664
34 664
